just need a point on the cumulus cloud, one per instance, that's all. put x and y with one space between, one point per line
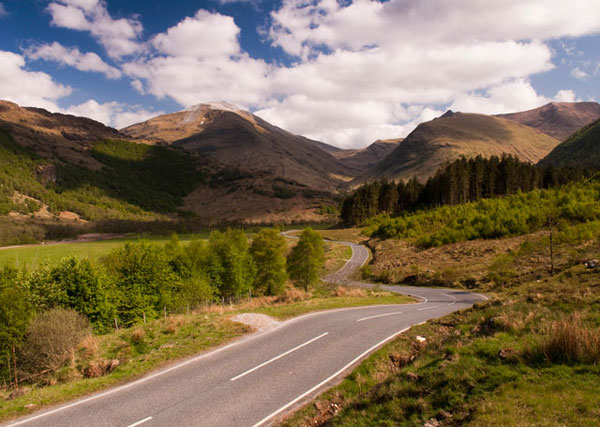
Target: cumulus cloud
28 88
120 37
361 70
73 57
200 60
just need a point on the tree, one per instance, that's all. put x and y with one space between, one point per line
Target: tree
144 278
15 314
307 258
88 291
230 266
268 249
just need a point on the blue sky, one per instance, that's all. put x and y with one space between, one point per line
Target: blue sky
345 73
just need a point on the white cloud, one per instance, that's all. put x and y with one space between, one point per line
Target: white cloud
362 70
200 60
113 114
213 35
120 37
3 11
579 74
28 88
509 97
74 58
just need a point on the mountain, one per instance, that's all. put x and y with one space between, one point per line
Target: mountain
240 139
453 135
558 119
364 159
57 167
580 149
53 135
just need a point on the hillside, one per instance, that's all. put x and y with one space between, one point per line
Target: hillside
240 139
54 136
61 171
453 135
558 119
580 149
362 160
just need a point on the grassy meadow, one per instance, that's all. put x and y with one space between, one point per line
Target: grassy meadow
32 256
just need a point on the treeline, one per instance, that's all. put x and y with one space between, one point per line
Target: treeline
517 214
464 180
143 280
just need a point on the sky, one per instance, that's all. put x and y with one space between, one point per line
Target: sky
339 71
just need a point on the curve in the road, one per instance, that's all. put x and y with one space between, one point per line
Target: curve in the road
258 378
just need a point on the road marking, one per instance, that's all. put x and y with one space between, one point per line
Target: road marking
428 308
278 357
453 299
326 380
140 422
379 315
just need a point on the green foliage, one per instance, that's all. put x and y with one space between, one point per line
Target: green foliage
230 266
458 182
144 278
88 291
305 262
268 248
15 314
493 218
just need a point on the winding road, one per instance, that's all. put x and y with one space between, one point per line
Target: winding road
257 379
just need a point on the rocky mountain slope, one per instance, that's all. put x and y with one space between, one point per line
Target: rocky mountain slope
240 139
453 135
558 119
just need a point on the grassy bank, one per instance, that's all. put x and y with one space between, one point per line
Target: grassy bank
529 356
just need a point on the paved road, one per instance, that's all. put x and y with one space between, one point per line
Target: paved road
258 378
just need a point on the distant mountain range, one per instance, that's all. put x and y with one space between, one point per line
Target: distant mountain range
253 171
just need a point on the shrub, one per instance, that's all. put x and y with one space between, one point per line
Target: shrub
51 340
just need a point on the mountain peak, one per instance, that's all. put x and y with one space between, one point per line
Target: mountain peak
216 105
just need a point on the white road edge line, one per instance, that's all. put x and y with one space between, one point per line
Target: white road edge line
326 380
140 422
453 299
428 308
379 315
278 357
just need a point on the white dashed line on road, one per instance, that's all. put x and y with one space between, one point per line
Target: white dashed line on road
379 315
278 357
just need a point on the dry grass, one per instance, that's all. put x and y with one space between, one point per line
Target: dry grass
571 341
345 291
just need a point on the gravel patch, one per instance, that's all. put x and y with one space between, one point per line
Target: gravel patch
261 322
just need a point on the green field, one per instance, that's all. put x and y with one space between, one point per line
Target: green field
36 255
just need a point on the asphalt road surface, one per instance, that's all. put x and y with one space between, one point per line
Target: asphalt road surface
257 379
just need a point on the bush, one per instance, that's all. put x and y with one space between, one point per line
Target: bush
51 340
